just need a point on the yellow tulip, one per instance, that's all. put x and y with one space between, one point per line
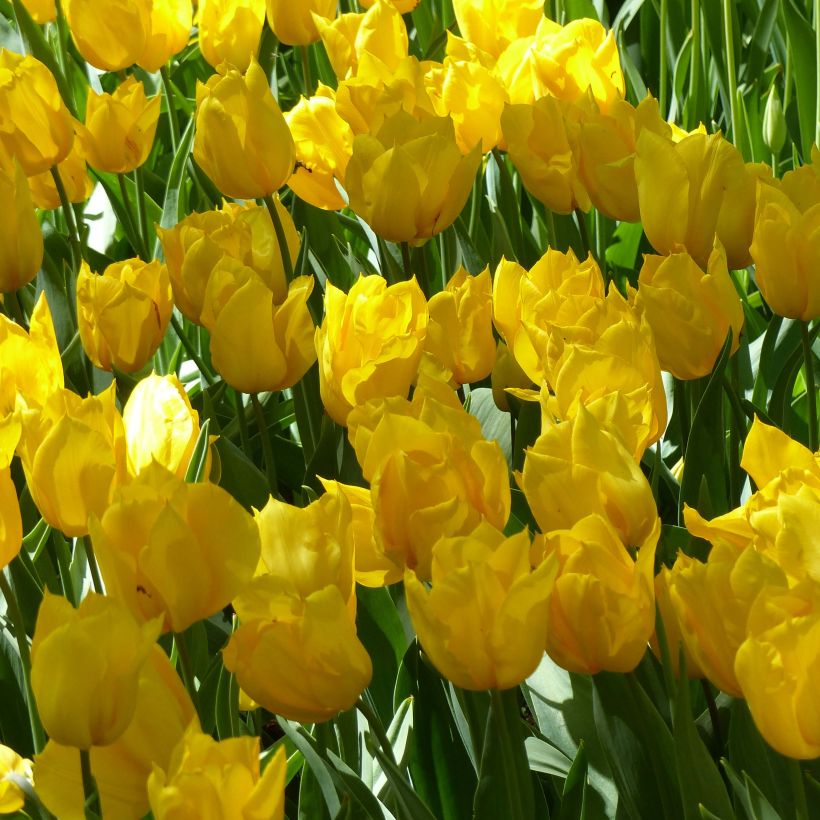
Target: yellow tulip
575 469
73 455
602 608
36 126
75 178
786 253
671 630
170 31
484 622
119 128
776 667
113 40
11 524
493 24
294 23
123 313
402 6
299 658
41 11
324 143
206 776
370 343
460 332
12 797
768 451
242 141
160 425
802 184
21 239
507 373
92 656
410 181
181 552
690 311
229 31
163 712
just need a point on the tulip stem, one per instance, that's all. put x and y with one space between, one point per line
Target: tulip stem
664 68
693 109
405 259
811 389
142 216
186 666
306 75
714 716
801 806
729 37
173 120
96 578
191 351
284 251
267 450
68 214
131 225
92 797
16 616
15 309
584 234
242 420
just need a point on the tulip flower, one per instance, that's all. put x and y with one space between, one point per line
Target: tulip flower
602 608
207 776
493 24
671 630
802 184
229 31
74 176
370 343
121 769
92 656
123 313
119 128
36 126
170 31
402 6
786 253
242 140
21 239
12 797
41 11
11 524
410 180
484 622
680 301
294 24
506 373
181 552
114 40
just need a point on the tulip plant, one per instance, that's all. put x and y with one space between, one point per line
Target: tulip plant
408 409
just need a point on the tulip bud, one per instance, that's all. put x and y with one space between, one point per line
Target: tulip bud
242 140
229 31
12 797
37 128
476 641
91 656
113 40
294 24
21 240
123 313
11 524
170 31
206 776
774 122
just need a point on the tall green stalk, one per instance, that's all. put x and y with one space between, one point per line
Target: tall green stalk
731 69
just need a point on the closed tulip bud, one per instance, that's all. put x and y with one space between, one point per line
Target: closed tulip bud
91 656
41 11
324 143
680 301
119 128
299 658
506 373
170 31
163 712
493 24
774 123
11 524
12 797
802 184
431 472
460 332
776 666
21 239
73 455
542 144
160 425
575 468
372 568
206 776
37 128
182 553
294 23
229 31
370 343
242 140
712 603
484 622
602 607
74 176
114 40
410 181
123 313
786 253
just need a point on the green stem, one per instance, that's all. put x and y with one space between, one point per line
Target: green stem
811 390
287 262
406 263
817 63
584 233
306 76
96 578
38 736
662 96
242 420
801 806
92 796
64 565
130 220
68 214
191 351
729 41
714 716
173 119
15 309
267 450
142 216
694 76
186 665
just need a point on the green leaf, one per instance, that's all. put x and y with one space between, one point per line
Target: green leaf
171 213
195 473
240 476
802 45
546 758
574 795
495 423
754 803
